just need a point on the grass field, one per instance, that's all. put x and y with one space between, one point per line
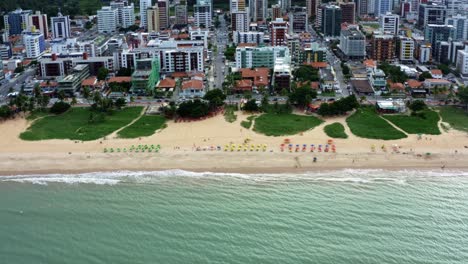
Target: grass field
456 117
366 123
284 124
37 114
143 127
74 125
415 124
248 123
229 114
335 130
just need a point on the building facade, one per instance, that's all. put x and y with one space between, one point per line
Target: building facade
60 26
353 43
107 20
40 22
389 23
34 43
331 20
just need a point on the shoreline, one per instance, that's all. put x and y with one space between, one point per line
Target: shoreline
179 142
250 163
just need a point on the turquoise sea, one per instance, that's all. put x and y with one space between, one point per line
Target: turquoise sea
339 217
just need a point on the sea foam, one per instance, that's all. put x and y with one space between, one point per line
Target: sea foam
358 176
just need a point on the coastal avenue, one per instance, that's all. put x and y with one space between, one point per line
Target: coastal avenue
220 41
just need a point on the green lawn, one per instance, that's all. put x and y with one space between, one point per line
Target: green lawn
415 124
74 125
37 114
284 124
335 130
366 123
229 114
143 127
248 123
456 117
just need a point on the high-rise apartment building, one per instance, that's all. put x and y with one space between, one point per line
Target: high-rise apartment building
240 21
16 21
299 21
382 7
406 49
152 14
278 30
348 12
144 5
128 16
460 23
276 12
40 22
258 9
34 44
163 14
181 13
107 20
312 6
383 47
437 33
331 20
203 13
431 14
353 43
60 26
389 23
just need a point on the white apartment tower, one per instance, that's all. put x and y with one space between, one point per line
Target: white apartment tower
128 16
60 26
202 13
144 4
152 14
34 44
389 23
107 20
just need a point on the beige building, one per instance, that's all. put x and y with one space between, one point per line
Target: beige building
152 15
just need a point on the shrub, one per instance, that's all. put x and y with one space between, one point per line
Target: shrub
59 107
417 105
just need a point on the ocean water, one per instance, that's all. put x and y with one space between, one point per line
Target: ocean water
340 217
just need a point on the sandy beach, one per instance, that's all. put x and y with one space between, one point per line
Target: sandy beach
180 140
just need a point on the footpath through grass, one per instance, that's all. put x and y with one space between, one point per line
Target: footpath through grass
366 123
425 124
456 117
74 124
335 130
248 123
229 114
284 124
143 127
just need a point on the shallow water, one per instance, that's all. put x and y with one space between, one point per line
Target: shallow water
349 216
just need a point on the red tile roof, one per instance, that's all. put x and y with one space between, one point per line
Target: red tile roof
120 79
436 72
193 84
243 85
414 84
319 64
370 63
258 75
91 81
167 83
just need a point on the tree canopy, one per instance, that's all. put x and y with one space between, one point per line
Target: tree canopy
393 72
302 96
339 107
306 73
194 109
215 98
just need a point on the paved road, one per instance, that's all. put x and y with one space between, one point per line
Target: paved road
15 83
221 40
